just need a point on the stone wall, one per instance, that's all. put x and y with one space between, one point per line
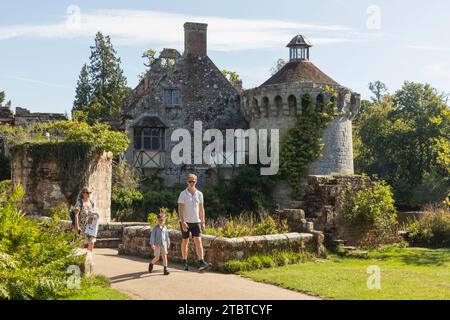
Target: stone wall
219 250
43 188
24 117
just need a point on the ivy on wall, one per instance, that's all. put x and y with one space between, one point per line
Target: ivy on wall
73 161
301 144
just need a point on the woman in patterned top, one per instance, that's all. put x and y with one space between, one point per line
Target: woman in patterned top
84 211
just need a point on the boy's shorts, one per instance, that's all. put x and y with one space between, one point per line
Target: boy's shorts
194 229
160 251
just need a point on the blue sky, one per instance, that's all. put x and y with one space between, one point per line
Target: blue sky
43 44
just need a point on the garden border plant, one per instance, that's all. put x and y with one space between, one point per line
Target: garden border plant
370 211
231 227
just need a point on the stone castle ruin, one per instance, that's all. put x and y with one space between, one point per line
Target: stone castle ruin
23 117
51 174
182 88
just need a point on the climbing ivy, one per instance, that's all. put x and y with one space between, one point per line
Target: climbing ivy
72 159
301 144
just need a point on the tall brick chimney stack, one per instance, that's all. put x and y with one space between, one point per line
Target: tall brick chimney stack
195 38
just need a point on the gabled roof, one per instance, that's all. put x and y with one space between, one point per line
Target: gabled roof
300 71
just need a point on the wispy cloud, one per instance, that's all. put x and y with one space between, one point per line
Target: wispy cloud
429 48
34 81
134 27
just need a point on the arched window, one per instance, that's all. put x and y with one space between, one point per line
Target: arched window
265 105
320 103
278 105
353 100
292 103
341 101
247 107
306 103
333 104
255 108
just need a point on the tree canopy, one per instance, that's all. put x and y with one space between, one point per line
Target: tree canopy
405 139
102 86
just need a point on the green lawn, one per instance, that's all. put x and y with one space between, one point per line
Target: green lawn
96 288
98 293
406 273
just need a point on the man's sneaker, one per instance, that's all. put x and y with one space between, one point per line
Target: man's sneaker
166 272
204 265
185 266
150 267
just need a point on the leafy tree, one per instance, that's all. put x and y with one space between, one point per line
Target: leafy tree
379 89
404 139
2 97
102 84
278 65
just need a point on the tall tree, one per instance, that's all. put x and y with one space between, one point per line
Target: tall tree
83 90
106 81
2 97
379 89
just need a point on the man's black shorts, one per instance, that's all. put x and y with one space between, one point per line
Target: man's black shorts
194 229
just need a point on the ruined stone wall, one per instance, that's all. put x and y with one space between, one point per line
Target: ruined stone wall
322 206
24 117
219 250
43 188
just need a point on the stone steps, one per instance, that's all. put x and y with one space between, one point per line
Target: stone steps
110 243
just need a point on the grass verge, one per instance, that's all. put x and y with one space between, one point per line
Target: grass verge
97 288
405 273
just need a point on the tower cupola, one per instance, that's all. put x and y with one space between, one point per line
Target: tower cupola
299 48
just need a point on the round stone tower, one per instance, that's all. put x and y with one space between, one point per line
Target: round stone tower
275 103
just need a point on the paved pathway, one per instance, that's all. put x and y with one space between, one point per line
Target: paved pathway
129 275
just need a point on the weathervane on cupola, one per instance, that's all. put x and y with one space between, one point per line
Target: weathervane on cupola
299 48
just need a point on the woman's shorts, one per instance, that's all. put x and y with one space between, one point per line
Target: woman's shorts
89 239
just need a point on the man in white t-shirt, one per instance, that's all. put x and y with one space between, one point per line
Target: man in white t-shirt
192 221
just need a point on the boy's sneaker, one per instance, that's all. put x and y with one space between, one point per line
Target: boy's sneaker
166 272
150 267
185 266
204 265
